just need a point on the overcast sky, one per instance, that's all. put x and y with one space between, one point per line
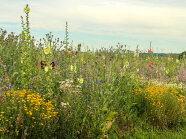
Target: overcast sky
104 22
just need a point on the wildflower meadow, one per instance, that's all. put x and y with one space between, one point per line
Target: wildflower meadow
54 89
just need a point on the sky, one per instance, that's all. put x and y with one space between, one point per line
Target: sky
104 23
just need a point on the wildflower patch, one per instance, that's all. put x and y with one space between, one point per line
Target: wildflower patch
164 106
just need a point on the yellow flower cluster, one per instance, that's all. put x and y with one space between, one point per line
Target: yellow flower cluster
4 119
161 102
1 118
156 95
33 104
32 107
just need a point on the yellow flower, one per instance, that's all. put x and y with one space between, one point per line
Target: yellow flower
27 10
126 64
167 71
80 80
22 32
47 50
22 59
50 66
73 68
46 69
41 124
26 37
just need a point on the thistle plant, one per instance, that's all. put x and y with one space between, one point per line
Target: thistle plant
66 42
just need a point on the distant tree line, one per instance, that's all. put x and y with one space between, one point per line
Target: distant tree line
182 55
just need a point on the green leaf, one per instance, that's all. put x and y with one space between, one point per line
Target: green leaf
111 116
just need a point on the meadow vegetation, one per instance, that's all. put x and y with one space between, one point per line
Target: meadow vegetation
52 89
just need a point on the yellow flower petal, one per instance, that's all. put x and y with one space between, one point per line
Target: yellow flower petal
46 69
80 80
71 68
47 50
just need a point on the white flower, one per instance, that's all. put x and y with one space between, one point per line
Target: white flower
65 105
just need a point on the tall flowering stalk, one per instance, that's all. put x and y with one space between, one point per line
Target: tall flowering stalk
151 64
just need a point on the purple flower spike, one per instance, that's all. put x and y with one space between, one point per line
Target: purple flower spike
10 86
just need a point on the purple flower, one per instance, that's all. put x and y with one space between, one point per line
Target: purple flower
10 86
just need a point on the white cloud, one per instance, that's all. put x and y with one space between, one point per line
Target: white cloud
118 17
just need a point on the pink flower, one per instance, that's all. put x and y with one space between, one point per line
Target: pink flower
149 67
150 51
152 63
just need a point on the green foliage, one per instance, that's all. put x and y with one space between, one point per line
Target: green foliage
182 55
